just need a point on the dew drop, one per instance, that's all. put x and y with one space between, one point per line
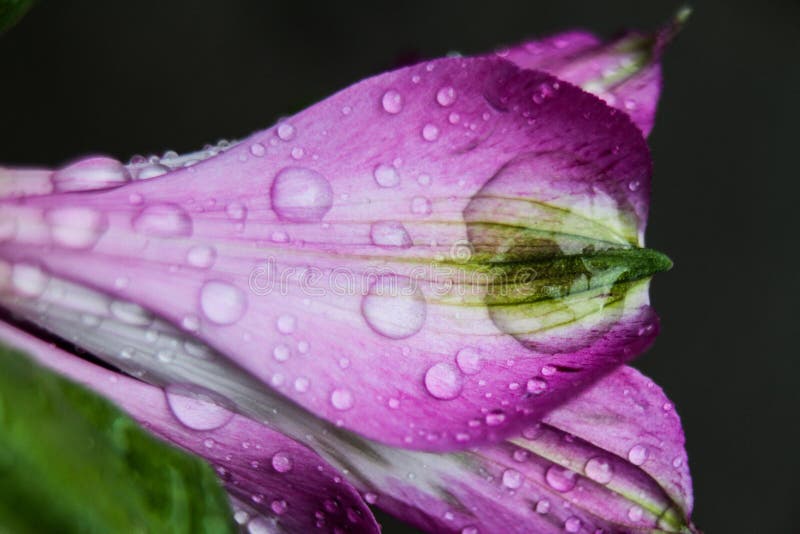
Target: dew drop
637 455
222 303
29 280
420 206
386 175
572 524
548 370
257 149
286 324
430 132
543 506
394 307
201 256
130 313
443 381
512 478
91 173
77 228
520 455
392 101
281 462
301 384
560 478
197 408
371 498
285 131
342 399
163 220
469 530
236 211
495 418
389 234
151 170
281 353
599 470
635 513
301 195
469 360
278 506
536 386
446 96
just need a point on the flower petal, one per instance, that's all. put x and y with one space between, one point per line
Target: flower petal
289 486
312 253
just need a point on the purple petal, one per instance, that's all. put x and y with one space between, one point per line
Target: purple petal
309 253
278 482
624 72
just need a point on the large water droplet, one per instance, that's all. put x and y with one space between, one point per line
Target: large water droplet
163 220
394 307
78 228
446 96
196 407
560 478
201 256
386 175
390 234
222 303
392 101
281 462
599 469
637 455
301 195
342 399
512 478
469 360
443 381
90 173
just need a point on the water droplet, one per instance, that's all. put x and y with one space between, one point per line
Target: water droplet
548 370
201 256
560 478
533 432
637 455
495 418
543 506
572 524
520 455
130 313
386 175
394 307
281 353
430 132
222 303
342 399
281 462
599 469
241 517
286 324
285 131
394 403
469 360
635 513
301 195
236 211
469 530
443 381
453 118
389 234
677 462
197 408
424 179
634 185
29 280
421 206
512 478
371 498
90 173
392 101
151 170
301 384
298 153
77 228
536 386
446 96
279 506
257 149
163 220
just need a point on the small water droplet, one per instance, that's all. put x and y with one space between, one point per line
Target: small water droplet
77 228
236 211
548 370
424 179
430 132
342 399
637 455
130 313
386 175
389 234
163 220
281 462
560 478
394 307
572 524
222 303
520 455
301 195
151 170
421 206
536 386
599 469
197 408
257 149
512 478
543 506
298 153
443 381
446 96
285 131
278 506
371 498
469 360
634 185
286 324
201 256
495 418
453 118
392 101
635 513
281 353
301 384
28 279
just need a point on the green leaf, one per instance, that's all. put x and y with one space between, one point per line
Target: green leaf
11 11
70 461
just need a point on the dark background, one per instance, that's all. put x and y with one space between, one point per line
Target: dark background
141 77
